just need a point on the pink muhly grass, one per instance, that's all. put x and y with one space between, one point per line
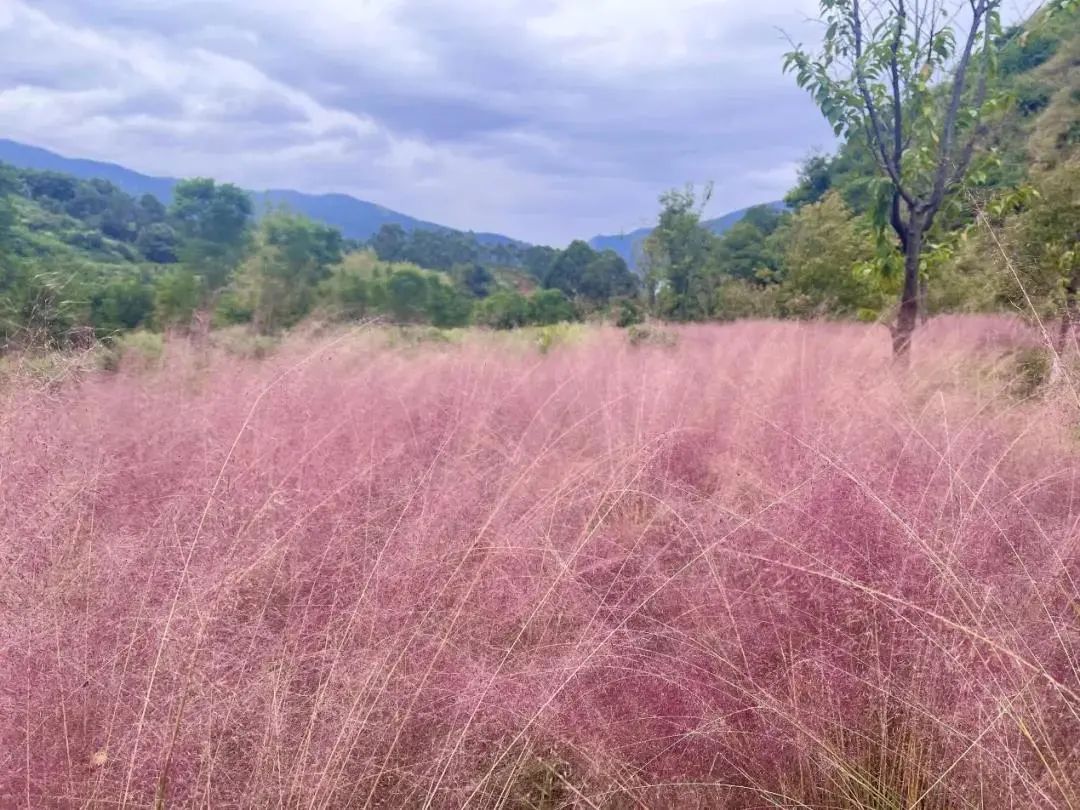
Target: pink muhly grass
758 568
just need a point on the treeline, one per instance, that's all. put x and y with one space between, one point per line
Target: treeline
778 264
81 260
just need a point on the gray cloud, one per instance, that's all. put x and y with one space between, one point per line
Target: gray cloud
546 120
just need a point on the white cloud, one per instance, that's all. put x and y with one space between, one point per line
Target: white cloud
545 119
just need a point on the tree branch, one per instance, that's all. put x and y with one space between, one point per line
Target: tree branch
889 162
966 152
980 10
898 99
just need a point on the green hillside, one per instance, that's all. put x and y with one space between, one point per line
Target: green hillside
82 260
356 219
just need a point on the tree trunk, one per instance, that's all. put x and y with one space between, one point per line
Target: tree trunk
908 316
1069 317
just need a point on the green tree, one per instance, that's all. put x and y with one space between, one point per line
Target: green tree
538 261
814 180
177 294
356 288
605 277
827 250
351 294
151 209
677 256
389 243
447 307
547 307
50 188
628 314
875 76
745 252
159 243
407 295
121 303
1047 238
39 305
503 310
214 221
7 220
291 257
474 278
568 269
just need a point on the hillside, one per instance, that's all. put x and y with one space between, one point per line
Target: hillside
356 219
82 258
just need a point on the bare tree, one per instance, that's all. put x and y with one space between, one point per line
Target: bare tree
910 78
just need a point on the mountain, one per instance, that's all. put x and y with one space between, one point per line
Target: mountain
627 245
32 157
356 219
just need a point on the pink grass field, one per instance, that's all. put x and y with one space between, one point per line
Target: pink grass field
758 568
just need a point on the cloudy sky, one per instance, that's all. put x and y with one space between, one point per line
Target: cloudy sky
542 119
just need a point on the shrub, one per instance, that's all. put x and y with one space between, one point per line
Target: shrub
737 299
559 334
628 313
447 307
244 343
1029 370
1026 52
503 310
651 336
547 307
1031 98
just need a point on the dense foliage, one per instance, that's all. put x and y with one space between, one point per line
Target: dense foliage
81 260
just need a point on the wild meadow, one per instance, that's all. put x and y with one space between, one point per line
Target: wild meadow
745 566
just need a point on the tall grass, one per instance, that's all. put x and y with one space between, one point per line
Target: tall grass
749 566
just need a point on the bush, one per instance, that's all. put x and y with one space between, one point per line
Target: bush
504 310
140 349
448 308
1071 136
1031 98
628 313
245 343
1026 51
560 334
1029 370
737 299
651 336
548 307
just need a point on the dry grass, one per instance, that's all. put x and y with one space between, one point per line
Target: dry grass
748 566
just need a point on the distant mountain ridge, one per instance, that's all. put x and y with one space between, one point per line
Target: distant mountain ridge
356 219
627 245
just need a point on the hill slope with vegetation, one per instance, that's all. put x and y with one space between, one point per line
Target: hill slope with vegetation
356 219
81 259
